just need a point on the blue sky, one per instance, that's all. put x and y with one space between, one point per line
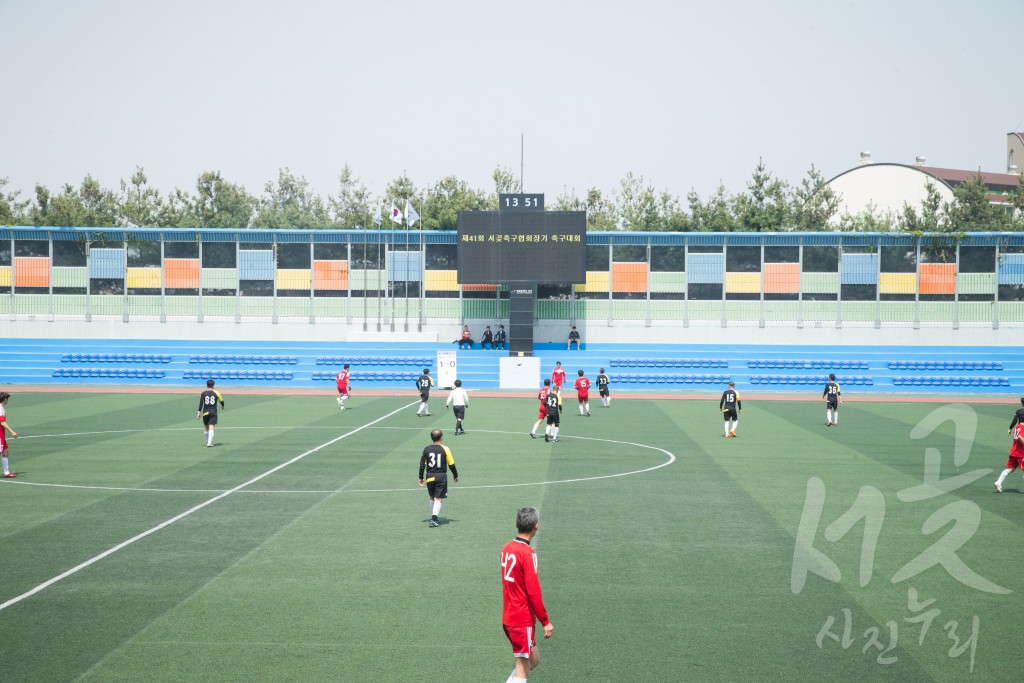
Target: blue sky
685 94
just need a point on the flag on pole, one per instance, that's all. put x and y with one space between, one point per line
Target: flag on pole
396 215
410 214
378 218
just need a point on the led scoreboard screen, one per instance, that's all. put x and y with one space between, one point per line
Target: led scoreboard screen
522 245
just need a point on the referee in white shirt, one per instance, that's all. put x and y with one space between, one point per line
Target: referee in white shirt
459 399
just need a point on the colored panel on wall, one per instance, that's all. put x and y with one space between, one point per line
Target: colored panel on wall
782 278
479 288
820 283
181 273
597 281
629 277
743 283
1011 269
938 278
31 271
294 278
256 264
668 282
442 281
706 269
405 266
5 276
859 269
70 276
106 264
897 283
976 283
144 278
330 275
218 278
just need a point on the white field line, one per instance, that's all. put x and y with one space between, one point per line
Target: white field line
74 570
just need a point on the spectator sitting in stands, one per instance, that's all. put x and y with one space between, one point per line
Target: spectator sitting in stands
500 337
487 338
466 340
574 338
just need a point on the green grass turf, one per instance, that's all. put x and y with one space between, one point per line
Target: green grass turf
325 570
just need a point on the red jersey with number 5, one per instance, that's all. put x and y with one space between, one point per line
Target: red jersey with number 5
523 604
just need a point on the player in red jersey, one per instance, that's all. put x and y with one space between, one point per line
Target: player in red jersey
342 379
4 428
558 376
542 415
1016 457
582 387
522 602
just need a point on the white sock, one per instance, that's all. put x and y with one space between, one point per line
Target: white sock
733 427
209 436
339 400
999 481
581 409
7 465
435 509
727 428
513 679
342 401
586 406
835 417
554 432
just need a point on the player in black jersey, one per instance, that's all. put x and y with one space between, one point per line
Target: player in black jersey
208 401
602 389
731 407
553 404
436 461
1017 417
423 384
833 398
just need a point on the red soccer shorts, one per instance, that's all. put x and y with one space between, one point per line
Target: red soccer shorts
583 399
543 413
523 639
1015 462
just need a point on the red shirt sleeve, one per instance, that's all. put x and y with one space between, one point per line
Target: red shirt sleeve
533 593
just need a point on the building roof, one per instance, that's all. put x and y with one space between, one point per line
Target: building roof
956 176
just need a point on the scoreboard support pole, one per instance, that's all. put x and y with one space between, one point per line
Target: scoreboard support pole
520 320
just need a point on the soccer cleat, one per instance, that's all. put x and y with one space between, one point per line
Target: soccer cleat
10 475
546 439
588 414
999 487
532 435
555 439
427 414
433 523
209 445
732 434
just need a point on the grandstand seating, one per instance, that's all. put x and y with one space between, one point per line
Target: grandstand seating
809 379
792 364
374 360
243 360
941 365
667 363
114 358
260 375
954 381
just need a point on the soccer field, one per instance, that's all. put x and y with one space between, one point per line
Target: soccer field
297 549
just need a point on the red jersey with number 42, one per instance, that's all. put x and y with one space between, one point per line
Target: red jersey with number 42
520 593
342 380
582 387
1017 449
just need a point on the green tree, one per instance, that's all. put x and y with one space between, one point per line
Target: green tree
350 207
601 212
217 204
505 182
971 210
931 217
712 215
88 206
443 201
764 207
398 191
813 203
139 205
637 204
12 210
290 203
868 220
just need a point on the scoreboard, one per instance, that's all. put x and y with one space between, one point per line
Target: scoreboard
522 243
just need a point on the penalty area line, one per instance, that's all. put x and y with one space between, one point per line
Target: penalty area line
138 537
